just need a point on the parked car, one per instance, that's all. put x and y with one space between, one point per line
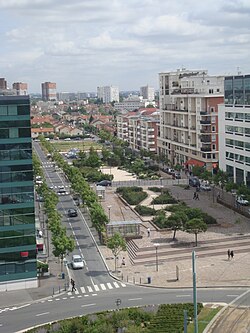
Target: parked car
194 182
67 139
241 200
177 175
104 183
205 187
72 212
77 262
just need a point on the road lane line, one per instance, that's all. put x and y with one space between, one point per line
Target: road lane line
134 299
76 292
42 314
83 290
86 295
103 286
109 285
116 285
96 287
90 289
85 305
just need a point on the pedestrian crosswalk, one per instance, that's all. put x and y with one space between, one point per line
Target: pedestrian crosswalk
48 164
60 187
95 288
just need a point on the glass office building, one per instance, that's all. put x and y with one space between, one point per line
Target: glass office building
234 129
17 219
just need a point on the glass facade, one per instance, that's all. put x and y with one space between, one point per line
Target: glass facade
17 216
237 90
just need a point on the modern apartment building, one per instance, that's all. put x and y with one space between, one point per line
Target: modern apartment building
132 103
49 91
21 88
139 129
234 129
147 93
108 94
17 219
189 117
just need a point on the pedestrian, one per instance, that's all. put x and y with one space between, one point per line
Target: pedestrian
232 254
194 197
197 197
123 261
73 285
148 232
228 254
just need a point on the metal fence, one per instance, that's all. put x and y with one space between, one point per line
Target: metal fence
143 182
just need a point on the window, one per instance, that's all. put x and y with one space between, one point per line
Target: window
13 133
213 147
213 128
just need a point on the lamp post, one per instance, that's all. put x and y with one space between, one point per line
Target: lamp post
109 208
156 256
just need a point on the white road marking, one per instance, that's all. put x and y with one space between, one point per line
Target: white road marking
50 300
72 296
57 299
76 292
134 299
90 289
123 284
96 287
103 286
42 314
116 285
94 294
69 293
109 285
64 298
79 296
86 295
82 290
85 305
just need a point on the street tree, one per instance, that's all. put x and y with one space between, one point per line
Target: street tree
176 222
62 244
116 244
195 226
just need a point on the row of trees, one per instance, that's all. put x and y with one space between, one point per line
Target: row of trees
62 244
181 221
81 188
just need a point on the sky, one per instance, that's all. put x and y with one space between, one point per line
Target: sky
82 44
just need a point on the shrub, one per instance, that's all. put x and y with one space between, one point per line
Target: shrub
154 189
145 211
133 195
160 220
164 198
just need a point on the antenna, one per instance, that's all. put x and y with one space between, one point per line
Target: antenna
238 71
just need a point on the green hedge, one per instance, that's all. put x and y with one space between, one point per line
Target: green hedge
145 211
133 195
164 198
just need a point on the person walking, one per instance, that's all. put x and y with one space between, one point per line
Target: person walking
195 194
73 284
148 230
197 197
232 254
123 262
228 254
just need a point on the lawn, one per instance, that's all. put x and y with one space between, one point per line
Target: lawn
64 146
204 318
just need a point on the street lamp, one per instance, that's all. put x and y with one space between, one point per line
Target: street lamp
156 256
109 208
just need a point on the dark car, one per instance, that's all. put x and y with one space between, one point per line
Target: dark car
104 183
194 182
177 175
72 213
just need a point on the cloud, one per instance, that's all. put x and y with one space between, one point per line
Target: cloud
127 42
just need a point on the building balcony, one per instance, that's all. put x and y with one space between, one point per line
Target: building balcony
205 121
206 138
206 130
206 148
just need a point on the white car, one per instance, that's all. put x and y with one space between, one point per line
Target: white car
205 187
242 201
77 262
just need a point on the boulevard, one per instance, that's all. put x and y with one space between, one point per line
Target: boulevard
96 289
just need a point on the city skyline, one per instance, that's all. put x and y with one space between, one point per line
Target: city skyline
84 44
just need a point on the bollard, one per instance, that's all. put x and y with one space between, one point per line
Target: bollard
127 278
53 291
65 286
63 275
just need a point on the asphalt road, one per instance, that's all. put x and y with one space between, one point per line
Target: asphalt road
61 307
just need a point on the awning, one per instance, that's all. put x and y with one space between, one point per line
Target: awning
194 162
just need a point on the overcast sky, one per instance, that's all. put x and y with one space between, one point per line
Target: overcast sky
81 44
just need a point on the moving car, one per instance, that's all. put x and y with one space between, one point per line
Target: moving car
62 192
72 212
242 201
177 175
104 183
77 262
